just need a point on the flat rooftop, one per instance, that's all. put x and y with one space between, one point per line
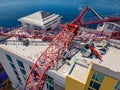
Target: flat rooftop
78 66
111 61
30 52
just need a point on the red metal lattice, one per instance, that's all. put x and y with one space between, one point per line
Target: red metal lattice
51 55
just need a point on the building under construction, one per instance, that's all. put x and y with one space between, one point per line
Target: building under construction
71 58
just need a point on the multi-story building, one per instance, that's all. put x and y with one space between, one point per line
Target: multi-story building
109 27
79 73
41 20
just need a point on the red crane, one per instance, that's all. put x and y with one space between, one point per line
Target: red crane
53 53
25 33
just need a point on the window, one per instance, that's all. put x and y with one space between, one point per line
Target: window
30 67
24 76
36 27
94 85
110 26
90 89
16 73
117 28
18 78
49 79
13 66
98 76
20 83
22 71
9 57
117 86
49 83
50 21
96 81
20 63
55 22
51 88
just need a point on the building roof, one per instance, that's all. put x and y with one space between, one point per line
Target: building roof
45 14
39 18
30 52
78 66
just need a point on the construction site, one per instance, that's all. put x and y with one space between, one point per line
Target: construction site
47 55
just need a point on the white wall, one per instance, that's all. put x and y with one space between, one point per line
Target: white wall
3 37
53 25
9 69
57 79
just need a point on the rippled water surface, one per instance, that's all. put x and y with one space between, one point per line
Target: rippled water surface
11 10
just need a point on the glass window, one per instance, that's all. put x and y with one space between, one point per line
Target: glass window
96 81
51 88
110 26
16 73
22 71
24 76
54 22
49 83
90 89
98 76
30 67
13 66
18 78
117 86
9 57
117 28
94 85
49 79
20 83
20 63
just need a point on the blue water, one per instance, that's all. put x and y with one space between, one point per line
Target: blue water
11 10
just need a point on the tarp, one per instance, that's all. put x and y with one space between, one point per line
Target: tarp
3 76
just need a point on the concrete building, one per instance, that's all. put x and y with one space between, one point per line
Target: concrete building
17 61
80 73
41 20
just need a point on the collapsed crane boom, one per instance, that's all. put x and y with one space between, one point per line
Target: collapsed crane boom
51 55
25 33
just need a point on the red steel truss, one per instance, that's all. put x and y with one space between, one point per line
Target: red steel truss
25 33
53 53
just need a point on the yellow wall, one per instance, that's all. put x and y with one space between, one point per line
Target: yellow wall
73 84
108 83
89 79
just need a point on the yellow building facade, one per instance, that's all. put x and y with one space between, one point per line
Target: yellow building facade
95 81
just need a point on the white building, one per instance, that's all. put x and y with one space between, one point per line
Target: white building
75 74
109 26
41 20
17 61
